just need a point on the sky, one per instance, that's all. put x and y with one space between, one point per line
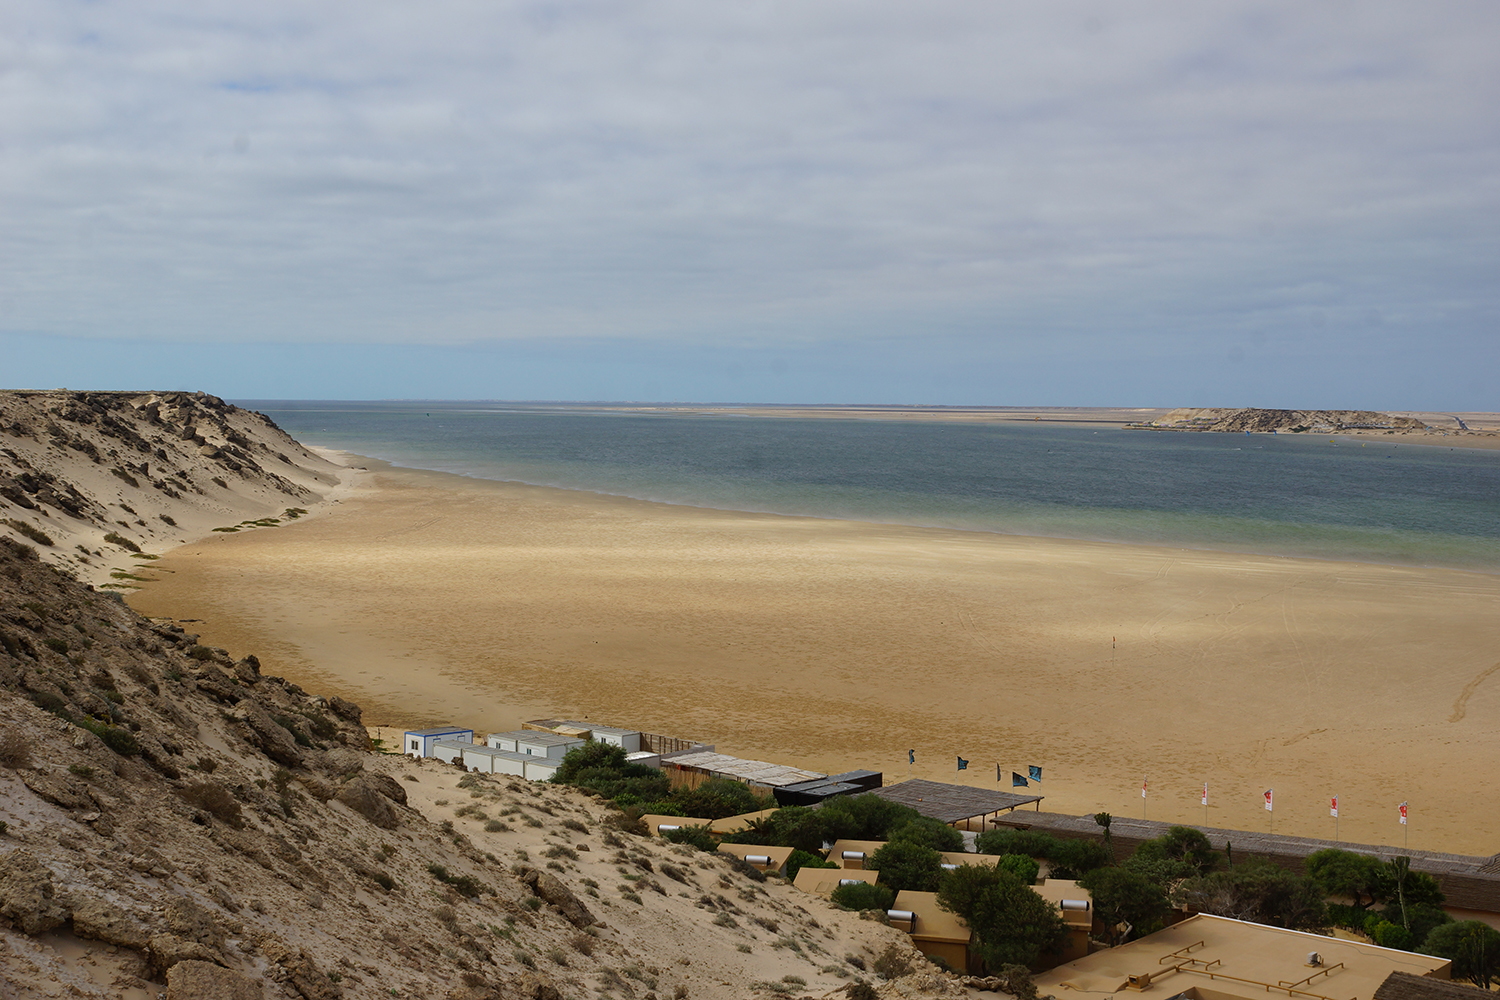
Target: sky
974 203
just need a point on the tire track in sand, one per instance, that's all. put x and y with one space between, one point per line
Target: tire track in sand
1461 706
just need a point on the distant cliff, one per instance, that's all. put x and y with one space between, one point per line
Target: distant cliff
1254 419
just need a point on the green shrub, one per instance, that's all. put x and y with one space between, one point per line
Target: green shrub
464 885
694 836
864 896
49 702
1076 858
928 832
906 864
115 538
201 653
1031 843
30 531
56 645
1024 868
1389 935
214 798
121 741
799 859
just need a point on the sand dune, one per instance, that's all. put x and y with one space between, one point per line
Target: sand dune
833 644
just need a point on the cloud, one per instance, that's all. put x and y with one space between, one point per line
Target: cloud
1030 180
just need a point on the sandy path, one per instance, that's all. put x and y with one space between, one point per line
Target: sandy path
837 644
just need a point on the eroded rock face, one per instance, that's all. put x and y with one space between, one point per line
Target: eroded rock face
387 786
195 980
102 921
27 897
367 798
187 919
550 890
272 740
166 950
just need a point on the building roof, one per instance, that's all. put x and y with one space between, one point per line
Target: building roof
1405 986
933 923
1233 959
654 821
951 803
460 744
541 739
734 824
965 858
778 855
869 847
439 731
759 772
1055 890
822 881
479 749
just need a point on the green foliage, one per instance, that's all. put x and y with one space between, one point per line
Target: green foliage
928 832
1181 843
56 645
114 538
201 653
30 531
464 885
863 817
694 836
1396 883
718 798
1260 892
1474 948
1344 873
1032 843
864 896
805 859
1024 868
601 767
1122 897
1389 935
121 741
1011 923
907 864
1076 858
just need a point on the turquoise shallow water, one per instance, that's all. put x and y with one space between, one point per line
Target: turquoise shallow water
1282 495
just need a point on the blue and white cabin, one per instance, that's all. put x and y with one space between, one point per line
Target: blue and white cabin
419 742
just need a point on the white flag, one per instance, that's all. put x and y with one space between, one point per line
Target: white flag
1143 791
1403 814
1268 800
1205 793
1333 807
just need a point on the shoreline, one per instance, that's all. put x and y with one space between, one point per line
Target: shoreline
431 597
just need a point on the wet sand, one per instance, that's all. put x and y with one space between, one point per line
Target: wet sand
835 645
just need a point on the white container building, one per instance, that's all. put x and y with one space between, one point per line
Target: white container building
488 760
419 741
449 751
536 744
541 768
645 757
502 741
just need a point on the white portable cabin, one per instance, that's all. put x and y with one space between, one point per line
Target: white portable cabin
628 740
449 751
645 757
491 761
535 744
502 741
420 741
541 768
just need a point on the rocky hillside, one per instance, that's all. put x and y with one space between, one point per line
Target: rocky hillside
172 822
95 479
1264 421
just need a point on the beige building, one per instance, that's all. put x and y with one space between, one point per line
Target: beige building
936 932
1077 908
822 881
654 822
1215 958
734 824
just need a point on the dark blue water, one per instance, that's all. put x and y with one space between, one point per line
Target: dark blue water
1283 494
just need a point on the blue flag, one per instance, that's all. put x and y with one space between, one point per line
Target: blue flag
911 756
962 763
1016 781
1036 772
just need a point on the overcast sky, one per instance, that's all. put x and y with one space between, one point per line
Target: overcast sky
1280 204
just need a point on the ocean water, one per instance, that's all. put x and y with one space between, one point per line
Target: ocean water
1296 495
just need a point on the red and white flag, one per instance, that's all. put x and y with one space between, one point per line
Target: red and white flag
1205 793
1403 814
1268 799
1333 807
1143 791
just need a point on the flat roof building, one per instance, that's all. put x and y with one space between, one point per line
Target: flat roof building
822 881
954 804
419 741
692 767
1216 958
767 859
937 933
654 823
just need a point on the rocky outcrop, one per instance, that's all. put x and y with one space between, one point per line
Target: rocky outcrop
268 736
195 980
99 920
551 890
27 896
1263 421
367 797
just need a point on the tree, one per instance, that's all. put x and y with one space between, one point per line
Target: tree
1181 843
1124 897
863 817
929 832
1260 892
718 798
1011 923
1032 843
1104 819
907 864
1474 948
1396 883
799 860
1074 858
1345 874
1024 868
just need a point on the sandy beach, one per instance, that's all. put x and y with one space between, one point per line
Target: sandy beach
834 645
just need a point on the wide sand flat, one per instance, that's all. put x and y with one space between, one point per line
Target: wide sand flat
836 645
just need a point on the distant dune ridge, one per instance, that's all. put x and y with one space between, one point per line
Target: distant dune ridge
99 472
1256 420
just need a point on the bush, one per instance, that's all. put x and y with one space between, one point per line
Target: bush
1024 868
693 836
1076 858
718 798
30 531
929 832
1011 923
1182 843
15 748
214 798
907 864
114 538
1031 843
1389 935
893 963
798 860
864 896
465 885
862 817
1473 946
117 739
